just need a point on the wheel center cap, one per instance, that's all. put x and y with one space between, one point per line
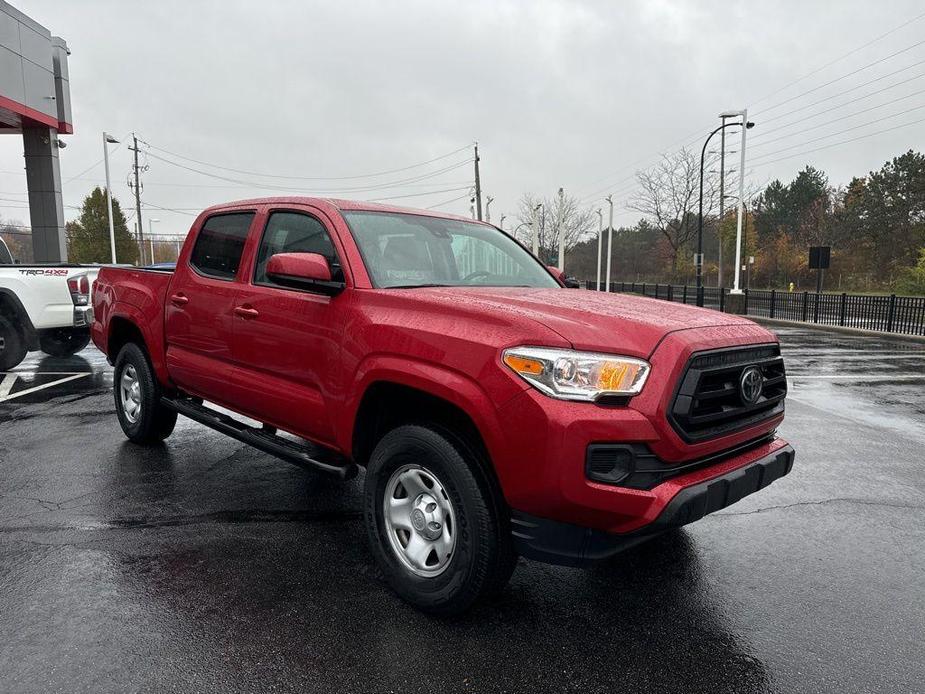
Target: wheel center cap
418 520
427 517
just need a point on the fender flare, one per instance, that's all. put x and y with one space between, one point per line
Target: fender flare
433 379
122 310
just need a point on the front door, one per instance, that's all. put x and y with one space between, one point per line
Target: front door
287 341
199 307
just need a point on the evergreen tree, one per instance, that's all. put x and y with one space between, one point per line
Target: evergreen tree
88 238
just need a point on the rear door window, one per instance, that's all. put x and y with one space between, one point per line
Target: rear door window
220 244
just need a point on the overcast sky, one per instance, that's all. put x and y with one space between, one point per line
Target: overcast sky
573 94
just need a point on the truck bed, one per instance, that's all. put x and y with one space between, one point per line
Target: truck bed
137 295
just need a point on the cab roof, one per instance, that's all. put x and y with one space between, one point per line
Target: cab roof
340 205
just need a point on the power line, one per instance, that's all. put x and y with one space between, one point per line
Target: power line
846 91
417 195
447 202
777 91
843 142
835 120
839 59
845 76
264 186
309 178
840 132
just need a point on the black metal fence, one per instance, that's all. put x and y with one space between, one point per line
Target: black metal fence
891 314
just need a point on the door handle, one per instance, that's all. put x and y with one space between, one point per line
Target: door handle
179 300
246 312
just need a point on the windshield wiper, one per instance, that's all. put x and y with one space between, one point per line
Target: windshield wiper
418 286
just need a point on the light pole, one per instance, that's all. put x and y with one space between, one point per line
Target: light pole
600 234
560 231
501 221
741 211
703 152
151 236
609 200
107 140
488 201
536 230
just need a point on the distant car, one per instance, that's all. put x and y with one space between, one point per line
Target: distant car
496 412
44 307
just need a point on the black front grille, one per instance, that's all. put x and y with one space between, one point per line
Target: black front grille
709 401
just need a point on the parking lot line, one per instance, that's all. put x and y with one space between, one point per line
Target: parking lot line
10 379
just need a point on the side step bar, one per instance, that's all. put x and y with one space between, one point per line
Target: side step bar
305 455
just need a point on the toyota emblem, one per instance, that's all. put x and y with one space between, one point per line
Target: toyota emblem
750 384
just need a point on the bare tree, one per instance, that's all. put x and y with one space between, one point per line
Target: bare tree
576 223
668 198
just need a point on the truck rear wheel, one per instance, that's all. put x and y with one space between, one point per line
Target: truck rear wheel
138 398
434 523
12 347
63 342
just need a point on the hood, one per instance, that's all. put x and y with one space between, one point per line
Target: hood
594 321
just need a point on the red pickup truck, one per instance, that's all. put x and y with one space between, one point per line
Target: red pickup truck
496 412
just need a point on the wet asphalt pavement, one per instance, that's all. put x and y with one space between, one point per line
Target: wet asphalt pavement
203 565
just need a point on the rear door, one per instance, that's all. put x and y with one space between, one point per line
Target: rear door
200 303
287 341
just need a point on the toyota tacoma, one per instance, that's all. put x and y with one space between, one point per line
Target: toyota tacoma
495 412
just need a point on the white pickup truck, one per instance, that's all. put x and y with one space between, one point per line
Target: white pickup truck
43 307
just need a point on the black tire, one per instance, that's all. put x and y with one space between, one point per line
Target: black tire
153 422
63 342
482 560
12 346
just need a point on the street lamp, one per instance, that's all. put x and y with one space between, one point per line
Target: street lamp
741 211
151 237
600 234
107 140
703 152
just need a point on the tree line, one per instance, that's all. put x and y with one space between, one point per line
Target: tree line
875 226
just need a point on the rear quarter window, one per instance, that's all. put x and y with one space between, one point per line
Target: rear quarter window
220 244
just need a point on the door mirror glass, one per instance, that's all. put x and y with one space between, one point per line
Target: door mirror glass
302 271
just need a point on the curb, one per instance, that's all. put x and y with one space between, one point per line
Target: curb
920 339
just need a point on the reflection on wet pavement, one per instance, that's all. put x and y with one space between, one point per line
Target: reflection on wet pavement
203 565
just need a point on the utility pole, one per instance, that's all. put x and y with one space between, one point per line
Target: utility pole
478 186
600 235
488 201
559 230
722 203
141 234
609 200
536 230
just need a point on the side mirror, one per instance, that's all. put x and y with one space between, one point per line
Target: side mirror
306 271
568 282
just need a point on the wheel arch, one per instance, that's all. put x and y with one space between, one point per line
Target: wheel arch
389 401
124 327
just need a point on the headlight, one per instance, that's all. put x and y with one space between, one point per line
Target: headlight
570 375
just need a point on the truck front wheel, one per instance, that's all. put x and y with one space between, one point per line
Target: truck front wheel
434 521
137 394
63 342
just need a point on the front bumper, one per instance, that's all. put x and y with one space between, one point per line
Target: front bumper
555 542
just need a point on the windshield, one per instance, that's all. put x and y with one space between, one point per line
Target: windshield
408 250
